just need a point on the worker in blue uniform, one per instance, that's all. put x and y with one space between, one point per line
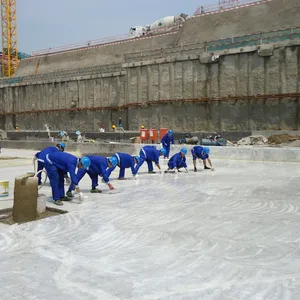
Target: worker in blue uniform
150 154
166 141
59 163
41 156
99 167
200 152
124 161
178 161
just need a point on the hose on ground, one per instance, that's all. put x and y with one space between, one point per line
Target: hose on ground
39 172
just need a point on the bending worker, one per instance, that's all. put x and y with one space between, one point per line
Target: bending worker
99 166
202 153
59 163
166 142
124 161
178 161
41 156
150 154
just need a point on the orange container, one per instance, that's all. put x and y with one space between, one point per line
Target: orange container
144 134
163 132
153 135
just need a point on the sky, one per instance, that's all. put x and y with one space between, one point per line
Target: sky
51 23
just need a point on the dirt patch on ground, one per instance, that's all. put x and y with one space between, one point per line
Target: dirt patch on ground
9 158
282 138
6 215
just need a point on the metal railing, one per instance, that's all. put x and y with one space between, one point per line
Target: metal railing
227 5
103 41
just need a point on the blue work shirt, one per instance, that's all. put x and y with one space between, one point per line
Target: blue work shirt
124 161
197 151
150 153
99 164
177 161
66 162
167 140
41 156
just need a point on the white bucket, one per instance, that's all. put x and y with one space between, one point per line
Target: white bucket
4 188
41 203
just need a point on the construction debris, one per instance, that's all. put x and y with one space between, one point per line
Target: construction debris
282 138
253 140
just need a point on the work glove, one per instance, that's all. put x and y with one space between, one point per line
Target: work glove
81 197
186 170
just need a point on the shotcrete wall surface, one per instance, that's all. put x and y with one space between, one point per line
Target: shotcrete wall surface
257 18
89 57
239 74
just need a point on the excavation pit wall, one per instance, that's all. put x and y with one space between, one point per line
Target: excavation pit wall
243 90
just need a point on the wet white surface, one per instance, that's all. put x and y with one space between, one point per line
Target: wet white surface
229 234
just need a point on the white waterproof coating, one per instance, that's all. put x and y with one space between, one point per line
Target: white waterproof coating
228 234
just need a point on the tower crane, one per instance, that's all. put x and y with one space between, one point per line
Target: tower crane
10 59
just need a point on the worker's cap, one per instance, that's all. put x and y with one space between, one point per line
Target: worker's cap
86 162
206 150
78 132
61 146
137 158
183 151
163 151
113 160
170 132
142 127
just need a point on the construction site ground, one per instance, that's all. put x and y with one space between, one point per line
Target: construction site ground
232 233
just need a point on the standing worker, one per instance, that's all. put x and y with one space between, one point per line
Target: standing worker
166 141
59 163
150 154
99 166
202 153
178 161
124 161
41 156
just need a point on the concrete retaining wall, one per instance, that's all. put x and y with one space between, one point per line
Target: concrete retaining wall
239 74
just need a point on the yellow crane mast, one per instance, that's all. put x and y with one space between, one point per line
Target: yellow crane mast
9 37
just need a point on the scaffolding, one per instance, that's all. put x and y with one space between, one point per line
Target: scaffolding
9 37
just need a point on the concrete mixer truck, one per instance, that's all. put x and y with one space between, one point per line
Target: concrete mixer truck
159 26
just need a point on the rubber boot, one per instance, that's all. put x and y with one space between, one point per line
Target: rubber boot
58 202
65 199
69 194
95 191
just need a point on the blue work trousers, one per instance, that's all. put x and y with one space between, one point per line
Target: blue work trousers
167 148
93 176
40 168
56 177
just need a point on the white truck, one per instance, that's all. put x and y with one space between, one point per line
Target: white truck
161 25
